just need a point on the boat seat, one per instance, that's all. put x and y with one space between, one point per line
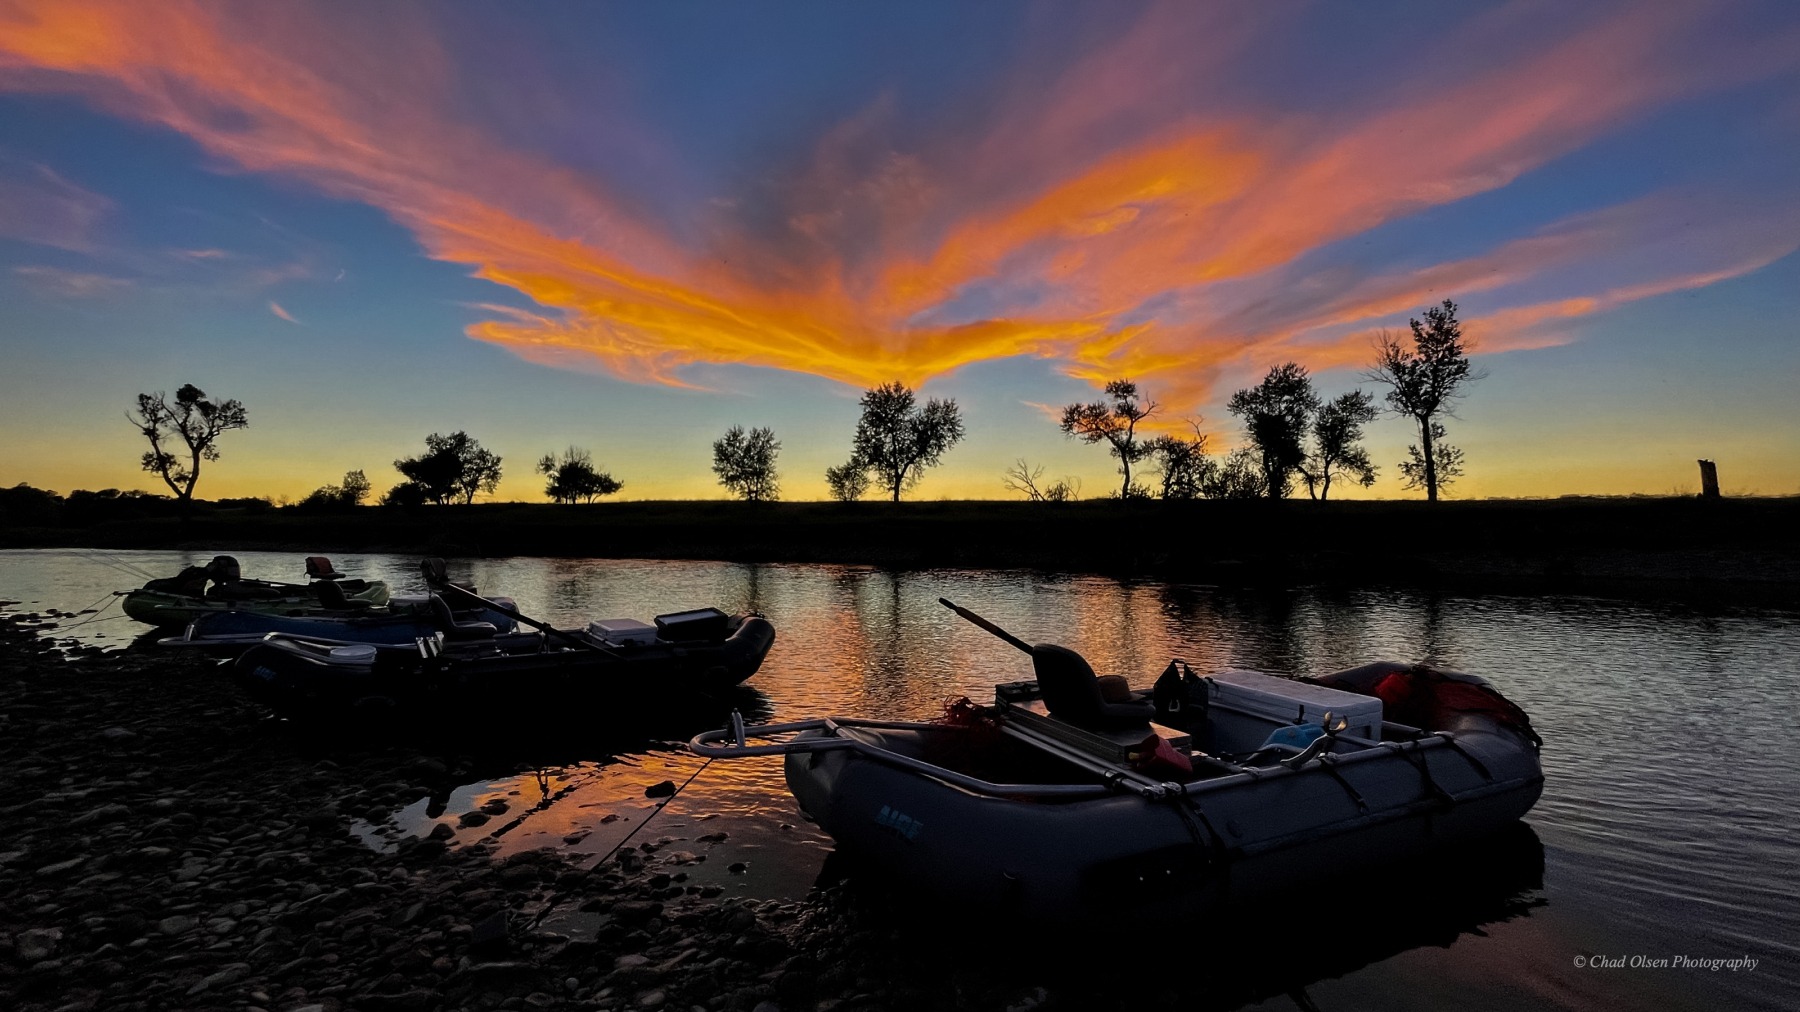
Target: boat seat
453 629
318 567
332 596
1071 692
437 574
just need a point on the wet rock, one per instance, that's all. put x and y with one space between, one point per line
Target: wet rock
398 1001
61 867
231 973
179 924
35 945
737 867
325 817
441 831
496 806
489 932
472 818
665 789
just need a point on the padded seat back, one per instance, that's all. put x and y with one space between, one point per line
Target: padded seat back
1071 691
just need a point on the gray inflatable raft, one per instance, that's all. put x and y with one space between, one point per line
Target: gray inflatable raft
1058 801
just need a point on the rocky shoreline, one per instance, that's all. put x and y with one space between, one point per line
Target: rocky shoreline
165 848
168 846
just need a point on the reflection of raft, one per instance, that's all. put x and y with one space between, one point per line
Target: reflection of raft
611 663
1057 801
180 599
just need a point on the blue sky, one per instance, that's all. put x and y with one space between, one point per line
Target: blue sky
628 227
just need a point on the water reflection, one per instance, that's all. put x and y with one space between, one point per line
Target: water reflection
1665 823
1283 947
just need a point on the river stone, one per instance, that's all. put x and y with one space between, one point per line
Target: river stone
36 944
472 818
179 924
61 866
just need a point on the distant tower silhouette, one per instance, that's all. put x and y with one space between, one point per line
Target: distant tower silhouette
1709 480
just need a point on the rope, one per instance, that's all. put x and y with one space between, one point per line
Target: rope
660 805
110 599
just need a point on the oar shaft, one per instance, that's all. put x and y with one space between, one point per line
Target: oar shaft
534 623
985 624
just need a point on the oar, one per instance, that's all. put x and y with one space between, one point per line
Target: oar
989 626
547 629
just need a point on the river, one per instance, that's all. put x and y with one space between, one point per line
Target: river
1666 831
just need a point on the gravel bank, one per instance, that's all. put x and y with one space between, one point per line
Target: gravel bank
168 847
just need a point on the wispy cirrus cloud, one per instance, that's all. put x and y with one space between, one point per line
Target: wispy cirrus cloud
275 307
39 206
67 284
1103 211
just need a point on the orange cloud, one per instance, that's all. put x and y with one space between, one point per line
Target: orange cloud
275 307
1065 231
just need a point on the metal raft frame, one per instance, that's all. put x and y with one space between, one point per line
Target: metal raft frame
839 734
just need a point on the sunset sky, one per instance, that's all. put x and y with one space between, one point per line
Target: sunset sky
630 226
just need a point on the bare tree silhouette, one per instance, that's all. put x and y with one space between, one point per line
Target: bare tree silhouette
193 420
1114 422
1424 383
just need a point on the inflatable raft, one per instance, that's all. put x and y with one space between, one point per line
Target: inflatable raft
1072 795
219 586
452 672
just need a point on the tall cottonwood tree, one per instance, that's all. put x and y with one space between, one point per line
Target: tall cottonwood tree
573 477
1337 444
1277 413
453 467
745 463
896 440
1424 383
1114 421
191 421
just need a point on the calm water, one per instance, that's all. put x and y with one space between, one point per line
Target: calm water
1666 823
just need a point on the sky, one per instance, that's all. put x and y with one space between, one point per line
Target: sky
627 227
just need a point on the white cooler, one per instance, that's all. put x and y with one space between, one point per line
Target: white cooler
1287 701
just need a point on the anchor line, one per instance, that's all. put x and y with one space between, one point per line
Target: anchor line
660 805
110 599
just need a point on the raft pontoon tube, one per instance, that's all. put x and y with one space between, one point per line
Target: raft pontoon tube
1218 790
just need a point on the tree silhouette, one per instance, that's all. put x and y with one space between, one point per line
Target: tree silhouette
1424 382
1115 422
1337 444
1276 414
453 467
327 497
193 420
847 482
1443 470
745 463
1239 477
573 478
897 441
1183 464
1023 477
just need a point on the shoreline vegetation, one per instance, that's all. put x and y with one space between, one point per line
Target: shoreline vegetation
1737 547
